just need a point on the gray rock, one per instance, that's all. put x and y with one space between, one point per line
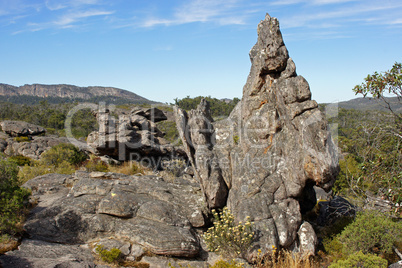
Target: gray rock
269 152
153 114
144 211
132 137
334 209
35 147
19 128
307 239
396 265
40 254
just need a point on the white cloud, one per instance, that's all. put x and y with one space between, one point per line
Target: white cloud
70 18
365 12
219 11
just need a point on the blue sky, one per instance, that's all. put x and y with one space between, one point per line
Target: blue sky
163 49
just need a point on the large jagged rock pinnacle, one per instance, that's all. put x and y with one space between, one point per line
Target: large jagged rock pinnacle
265 158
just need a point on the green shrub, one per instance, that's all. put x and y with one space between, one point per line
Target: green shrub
63 152
227 238
13 199
20 160
371 232
22 139
360 260
109 256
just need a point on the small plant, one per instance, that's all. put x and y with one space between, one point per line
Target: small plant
110 256
228 238
236 139
360 260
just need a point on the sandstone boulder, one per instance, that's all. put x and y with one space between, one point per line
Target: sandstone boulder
269 152
19 128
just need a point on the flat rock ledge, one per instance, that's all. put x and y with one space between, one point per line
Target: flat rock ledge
143 214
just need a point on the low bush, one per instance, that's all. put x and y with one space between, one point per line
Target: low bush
13 199
360 260
63 152
371 232
228 238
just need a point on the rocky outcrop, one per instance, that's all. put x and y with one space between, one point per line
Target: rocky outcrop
267 155
20 128
131 136
32 148
36 253
143 211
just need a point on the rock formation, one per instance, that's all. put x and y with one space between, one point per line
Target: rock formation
19 128
141 213
131 136
265 158
33 146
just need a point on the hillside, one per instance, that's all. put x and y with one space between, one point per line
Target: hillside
68 93
364 104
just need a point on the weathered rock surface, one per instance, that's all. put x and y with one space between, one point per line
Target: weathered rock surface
20 128
40 254
274 143
131 136
141 213
33 148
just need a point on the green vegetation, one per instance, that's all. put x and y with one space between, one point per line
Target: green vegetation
62 159
110 256
170 130
13 200
218 107
360 260
228 238
61 153
50 116
372 155
20 160
371 232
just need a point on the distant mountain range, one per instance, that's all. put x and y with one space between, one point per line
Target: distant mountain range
30 94
365 104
